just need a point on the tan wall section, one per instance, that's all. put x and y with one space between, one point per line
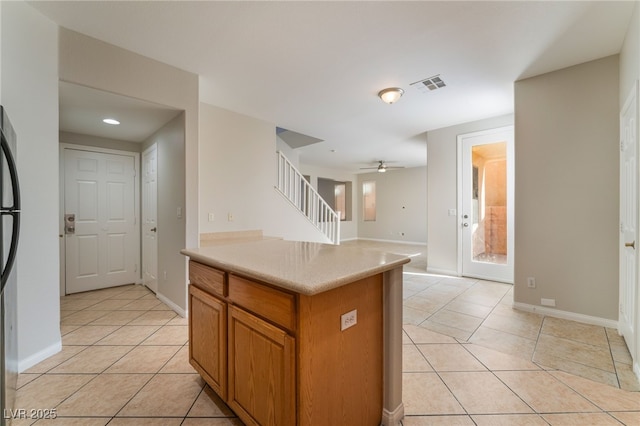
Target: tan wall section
442 190
94 63
566 201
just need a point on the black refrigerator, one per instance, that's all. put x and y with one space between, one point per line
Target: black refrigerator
9 232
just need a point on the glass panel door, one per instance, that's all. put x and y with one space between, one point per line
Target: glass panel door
486 162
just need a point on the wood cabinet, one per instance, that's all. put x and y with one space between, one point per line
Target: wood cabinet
208 338
281 358
261 370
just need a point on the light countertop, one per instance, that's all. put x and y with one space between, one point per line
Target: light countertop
303 267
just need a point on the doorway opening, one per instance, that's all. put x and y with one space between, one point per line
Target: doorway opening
485 203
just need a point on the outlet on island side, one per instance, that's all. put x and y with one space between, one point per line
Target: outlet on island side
348 320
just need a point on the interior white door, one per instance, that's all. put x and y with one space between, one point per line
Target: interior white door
150 218
102 240
485 204
628 317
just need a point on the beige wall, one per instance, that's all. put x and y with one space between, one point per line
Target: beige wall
630 56
170 142
401 205
566 202
442 229
90 62
28 48
238 172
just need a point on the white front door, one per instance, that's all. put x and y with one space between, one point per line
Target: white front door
628 318
485 204
150 218
101 235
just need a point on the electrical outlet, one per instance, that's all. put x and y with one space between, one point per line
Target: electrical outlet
211 217
531 282
230 217
548 302
348 320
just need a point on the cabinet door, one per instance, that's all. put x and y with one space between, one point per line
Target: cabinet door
261 371
207 338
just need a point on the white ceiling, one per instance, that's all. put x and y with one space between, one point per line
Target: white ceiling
316 67
82 110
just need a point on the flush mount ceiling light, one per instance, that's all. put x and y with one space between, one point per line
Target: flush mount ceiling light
111 121
391 94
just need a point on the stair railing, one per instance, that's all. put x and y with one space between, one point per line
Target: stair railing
295 188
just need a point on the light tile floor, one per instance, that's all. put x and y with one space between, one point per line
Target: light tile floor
469 359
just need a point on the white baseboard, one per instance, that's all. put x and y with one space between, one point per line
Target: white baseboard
178 310
29 362
393 418
438 271
418 243
572 316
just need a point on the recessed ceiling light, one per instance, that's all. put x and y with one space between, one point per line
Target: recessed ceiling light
111 121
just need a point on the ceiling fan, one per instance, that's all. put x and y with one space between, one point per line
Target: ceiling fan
382 167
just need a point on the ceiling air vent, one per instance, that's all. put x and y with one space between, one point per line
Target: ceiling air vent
430 84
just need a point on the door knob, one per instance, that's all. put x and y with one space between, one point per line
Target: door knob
154 229
466 225
632 245
466 216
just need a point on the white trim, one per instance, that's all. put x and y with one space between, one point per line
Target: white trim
417 243
493 279
144 213
34 359
393 418
510 197
437 271
348 239
136 195
572 316
178 310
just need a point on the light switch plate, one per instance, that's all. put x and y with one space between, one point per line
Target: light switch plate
348 320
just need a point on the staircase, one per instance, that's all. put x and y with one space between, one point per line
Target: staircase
295 188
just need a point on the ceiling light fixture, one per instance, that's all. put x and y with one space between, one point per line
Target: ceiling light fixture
390 95
111 121
382 167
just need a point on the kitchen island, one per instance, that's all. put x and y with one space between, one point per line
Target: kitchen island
302 333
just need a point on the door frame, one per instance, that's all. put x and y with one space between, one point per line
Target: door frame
142 218
632 97
136 202
510 199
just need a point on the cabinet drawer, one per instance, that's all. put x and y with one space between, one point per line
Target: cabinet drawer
269 303
207 278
